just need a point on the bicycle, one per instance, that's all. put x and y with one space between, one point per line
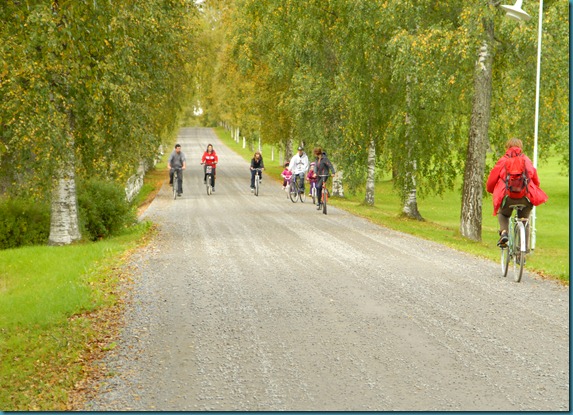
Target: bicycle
209 179
324 193
516 249
176 190
257 180
295 193
313 192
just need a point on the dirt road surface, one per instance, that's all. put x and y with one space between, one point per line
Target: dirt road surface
256 303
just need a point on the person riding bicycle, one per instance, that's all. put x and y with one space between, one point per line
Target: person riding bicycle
299 165
176 161
496 184
286 175
256 163
322 168
311 177
210 159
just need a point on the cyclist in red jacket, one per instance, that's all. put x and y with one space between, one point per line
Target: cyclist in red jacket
497 186
210 159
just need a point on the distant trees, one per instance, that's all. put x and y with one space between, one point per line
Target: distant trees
419 88
88 89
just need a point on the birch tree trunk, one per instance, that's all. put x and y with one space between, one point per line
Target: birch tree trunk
64 224
410 190
337 187
371 173
410 208
288 149
471 213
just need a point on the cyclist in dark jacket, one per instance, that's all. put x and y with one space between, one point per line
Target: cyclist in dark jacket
323 167
256 163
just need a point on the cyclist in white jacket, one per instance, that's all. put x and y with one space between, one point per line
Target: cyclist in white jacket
299 166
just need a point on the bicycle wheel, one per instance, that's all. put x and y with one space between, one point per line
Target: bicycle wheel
505 260
175 183
324 199
518 251
209 188
293 191
257 184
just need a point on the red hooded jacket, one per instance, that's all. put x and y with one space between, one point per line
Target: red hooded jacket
210 159
496 181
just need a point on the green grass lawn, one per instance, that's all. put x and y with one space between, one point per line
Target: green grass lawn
442 215
46 330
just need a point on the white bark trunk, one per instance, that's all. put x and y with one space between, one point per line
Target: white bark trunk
64 227
472 196
337 187
371 175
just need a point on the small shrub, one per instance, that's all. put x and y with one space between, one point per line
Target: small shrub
104 211
23 222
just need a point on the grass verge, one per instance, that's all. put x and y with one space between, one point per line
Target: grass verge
441 213
59 309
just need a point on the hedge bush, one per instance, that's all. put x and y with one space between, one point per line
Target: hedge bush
104 210
23 222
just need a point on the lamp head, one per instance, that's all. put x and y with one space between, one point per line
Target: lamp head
516 12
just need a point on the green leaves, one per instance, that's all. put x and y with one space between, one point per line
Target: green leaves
122 71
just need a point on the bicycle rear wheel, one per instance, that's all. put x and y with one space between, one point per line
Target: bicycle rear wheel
518 251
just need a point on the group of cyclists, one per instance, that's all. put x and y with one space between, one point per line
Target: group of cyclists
316 172
177 162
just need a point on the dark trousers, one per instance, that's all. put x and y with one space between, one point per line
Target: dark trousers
300 180
504 213
319 183
179 178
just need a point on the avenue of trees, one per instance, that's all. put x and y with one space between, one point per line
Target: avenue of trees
88 89
423 89
420 89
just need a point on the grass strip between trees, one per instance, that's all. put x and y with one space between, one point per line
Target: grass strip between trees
442 214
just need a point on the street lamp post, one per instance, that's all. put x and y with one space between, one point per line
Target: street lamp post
515 12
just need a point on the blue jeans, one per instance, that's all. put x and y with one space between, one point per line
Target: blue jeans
299 177
253 172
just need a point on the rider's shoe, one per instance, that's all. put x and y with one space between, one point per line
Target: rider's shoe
213 189
502 243
252 189
318 207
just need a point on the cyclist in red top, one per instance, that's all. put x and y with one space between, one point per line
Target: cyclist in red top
210 159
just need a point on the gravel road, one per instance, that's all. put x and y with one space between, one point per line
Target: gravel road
256 303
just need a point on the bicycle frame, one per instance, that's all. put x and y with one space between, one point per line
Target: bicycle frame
257 180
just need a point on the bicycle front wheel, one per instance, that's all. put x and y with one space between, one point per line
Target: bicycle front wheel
209 188
313 193
518 251
257 184
324 199
293 193
302 197
175 183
